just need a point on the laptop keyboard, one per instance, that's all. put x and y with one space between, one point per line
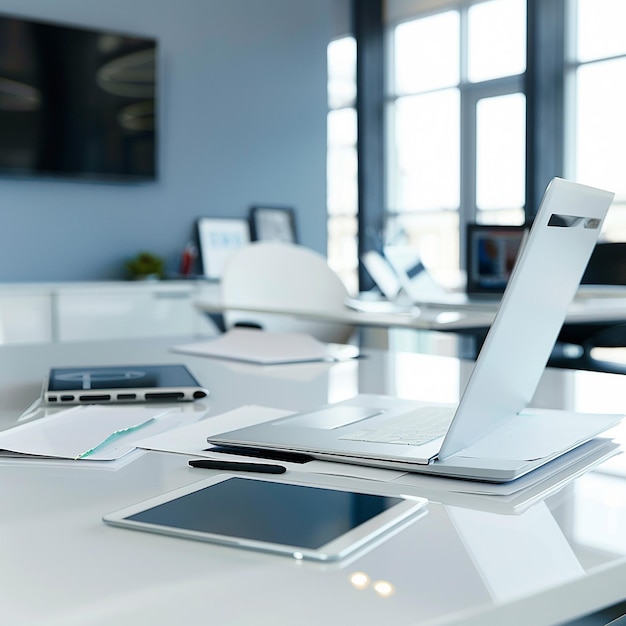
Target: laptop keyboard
412 429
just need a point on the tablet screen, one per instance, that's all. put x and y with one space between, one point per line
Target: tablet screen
270 515
294 515
125 383
123 377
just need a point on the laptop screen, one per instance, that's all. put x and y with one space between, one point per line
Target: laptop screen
491 254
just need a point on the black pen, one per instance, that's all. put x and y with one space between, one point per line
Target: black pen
236 466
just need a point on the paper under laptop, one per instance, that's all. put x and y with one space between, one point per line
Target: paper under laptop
491 434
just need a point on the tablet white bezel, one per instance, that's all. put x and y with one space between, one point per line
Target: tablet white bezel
331 551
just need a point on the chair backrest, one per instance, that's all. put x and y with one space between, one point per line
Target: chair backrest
285 276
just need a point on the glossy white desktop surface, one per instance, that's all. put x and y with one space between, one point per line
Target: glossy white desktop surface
593 304
546 563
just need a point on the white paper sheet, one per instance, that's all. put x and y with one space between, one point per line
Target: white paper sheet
538 433
73 432
192 440
268 348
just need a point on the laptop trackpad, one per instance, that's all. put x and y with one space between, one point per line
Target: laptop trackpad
327 419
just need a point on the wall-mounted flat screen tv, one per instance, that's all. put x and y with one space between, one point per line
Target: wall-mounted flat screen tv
76 102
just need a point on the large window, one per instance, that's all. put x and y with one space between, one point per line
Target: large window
596 102
342 161
456 125
458 95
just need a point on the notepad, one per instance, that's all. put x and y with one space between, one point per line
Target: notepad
268 348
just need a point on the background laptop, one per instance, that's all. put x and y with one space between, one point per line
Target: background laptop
404 281
490 256
490 435
402 277
381 273
414 277
491 251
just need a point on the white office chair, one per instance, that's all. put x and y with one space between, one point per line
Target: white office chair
286 276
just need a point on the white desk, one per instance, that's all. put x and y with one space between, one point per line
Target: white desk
559 558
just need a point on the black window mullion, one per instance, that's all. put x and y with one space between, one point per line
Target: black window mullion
368 32
467 200
545 89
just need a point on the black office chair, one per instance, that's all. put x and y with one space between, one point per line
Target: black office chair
607 265
577 343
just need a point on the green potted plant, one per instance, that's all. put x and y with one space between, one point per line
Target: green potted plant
145 266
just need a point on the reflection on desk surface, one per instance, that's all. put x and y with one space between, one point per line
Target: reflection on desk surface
533 541
83 573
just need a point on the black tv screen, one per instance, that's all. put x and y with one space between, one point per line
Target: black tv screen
76 102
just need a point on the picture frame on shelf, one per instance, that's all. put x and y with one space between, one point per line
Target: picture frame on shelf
218 238
269 223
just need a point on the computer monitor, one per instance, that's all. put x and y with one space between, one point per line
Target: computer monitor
491 254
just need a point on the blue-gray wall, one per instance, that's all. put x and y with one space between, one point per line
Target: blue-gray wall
242 121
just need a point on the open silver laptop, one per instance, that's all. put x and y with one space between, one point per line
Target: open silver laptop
491 434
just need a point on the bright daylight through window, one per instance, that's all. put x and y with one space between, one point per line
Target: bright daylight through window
597 101
342 183
455 121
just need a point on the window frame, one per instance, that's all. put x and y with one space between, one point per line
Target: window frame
470 94
543 85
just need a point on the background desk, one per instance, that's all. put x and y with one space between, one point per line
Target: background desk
547 563
595 309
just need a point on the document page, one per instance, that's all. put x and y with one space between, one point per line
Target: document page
91 432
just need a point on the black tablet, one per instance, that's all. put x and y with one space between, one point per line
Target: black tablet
126 383
273 515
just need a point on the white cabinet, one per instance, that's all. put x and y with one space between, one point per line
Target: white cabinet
106 310
25 318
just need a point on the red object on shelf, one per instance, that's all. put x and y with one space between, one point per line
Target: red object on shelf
189 256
